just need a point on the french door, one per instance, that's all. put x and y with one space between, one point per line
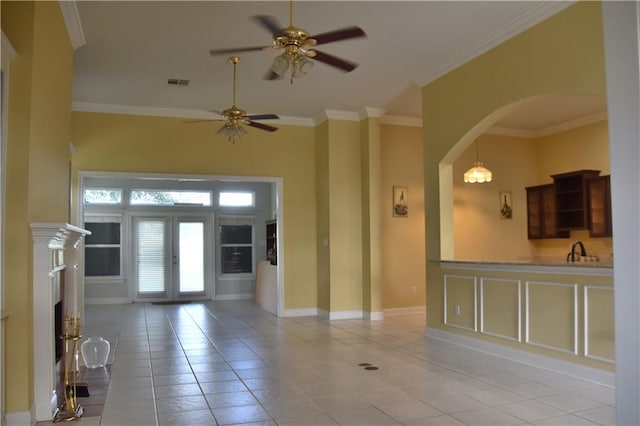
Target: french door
171 257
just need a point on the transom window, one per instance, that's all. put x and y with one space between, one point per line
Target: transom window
149 197
103 196
236 199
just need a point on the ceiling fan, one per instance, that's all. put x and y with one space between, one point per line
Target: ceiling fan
235 118
298 46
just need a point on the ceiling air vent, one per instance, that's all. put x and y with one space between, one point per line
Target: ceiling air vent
178 82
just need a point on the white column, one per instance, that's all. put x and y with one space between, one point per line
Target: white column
622 53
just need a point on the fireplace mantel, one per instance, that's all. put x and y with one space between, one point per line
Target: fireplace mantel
55 252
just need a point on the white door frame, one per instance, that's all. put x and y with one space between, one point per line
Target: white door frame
8 53
277 181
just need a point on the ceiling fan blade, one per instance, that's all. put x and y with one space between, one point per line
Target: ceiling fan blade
334 61
226 51
263 117
262 126
269 23
337 35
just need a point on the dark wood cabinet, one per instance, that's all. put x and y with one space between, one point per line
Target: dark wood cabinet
541 213
572 200
272 241
599 190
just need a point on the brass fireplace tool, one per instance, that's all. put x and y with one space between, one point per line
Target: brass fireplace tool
70 410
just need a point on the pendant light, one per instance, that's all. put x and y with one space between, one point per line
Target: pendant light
478 173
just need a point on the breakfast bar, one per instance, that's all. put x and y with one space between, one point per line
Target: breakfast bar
556 309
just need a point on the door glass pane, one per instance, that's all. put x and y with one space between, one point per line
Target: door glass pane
191 250
151 255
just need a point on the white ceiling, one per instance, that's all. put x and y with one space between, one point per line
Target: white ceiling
133 48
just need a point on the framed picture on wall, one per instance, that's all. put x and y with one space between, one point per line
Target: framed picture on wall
400 201
506 205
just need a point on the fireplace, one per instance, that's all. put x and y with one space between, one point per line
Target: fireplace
57 288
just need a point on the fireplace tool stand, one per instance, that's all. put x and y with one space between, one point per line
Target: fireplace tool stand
70 410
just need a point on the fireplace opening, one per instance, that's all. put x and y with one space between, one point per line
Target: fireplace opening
58 321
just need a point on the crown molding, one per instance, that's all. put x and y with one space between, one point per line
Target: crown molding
369 112
399 120
72 20
572 124
172 112
528 19
549 130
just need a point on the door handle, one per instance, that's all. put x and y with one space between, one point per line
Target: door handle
175 260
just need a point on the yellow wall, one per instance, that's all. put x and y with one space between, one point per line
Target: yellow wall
322 200
371 225
403 244
481 234
127 143
480 231
562 55
37 166
585 147
345 216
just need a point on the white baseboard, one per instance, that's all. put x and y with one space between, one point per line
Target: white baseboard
411 310
339 315
373 316
246 296
605 378
18 419
107 301
303 312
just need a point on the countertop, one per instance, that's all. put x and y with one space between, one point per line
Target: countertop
534 264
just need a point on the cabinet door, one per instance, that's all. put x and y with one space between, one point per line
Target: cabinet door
600 207
548 211
542 213
534 207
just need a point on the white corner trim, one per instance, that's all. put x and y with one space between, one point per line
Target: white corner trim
72 20
8 51
399 120
582 372
528 19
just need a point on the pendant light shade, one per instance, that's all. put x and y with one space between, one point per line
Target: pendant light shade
478 173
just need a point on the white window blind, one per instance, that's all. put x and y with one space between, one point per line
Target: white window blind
151 255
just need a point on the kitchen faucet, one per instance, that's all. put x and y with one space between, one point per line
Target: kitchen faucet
572 255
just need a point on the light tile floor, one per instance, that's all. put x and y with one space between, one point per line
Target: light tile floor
233 363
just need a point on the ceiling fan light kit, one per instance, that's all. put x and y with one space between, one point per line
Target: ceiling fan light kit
235 119
232 130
